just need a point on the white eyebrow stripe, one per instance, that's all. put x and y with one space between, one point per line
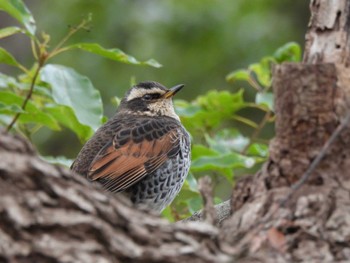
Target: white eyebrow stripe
139 92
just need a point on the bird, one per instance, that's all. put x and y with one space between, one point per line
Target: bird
143 152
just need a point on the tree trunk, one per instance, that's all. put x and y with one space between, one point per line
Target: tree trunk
287 212
287 215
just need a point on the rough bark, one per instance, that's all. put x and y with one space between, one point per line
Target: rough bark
311 223
49 215
327 39
314 224
222 212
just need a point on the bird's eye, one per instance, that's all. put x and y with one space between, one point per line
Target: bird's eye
147 97
152 96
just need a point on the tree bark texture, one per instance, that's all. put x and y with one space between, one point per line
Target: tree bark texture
327 39
313 225
48 214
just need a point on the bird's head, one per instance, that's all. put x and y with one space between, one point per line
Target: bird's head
149 99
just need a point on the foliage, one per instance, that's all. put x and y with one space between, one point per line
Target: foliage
197 41
46 94
55 96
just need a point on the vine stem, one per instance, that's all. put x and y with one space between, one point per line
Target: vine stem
29 95
254 83
73 30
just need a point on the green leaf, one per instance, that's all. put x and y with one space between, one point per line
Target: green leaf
9 31
114 54
258 149
42 91
62 160
262 70
18 10
192 182
211 110
66 116
288 52
167 214
41 118
184 108
240 74
7 81
32 113
7 58
186 193
217 200
116 101
227 140
265 98
232 160
222 101
194 204
75 91
11 108
180 206
199 150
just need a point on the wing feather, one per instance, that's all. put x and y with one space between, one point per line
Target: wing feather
123 162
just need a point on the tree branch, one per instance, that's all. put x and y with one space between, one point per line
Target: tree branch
222 211
49 214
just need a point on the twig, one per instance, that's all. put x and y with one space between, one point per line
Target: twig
223 211
58 48
205 188
29 95
42 57
251 80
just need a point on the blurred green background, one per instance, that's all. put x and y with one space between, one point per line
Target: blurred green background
197 42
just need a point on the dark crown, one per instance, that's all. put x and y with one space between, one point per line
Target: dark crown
150 85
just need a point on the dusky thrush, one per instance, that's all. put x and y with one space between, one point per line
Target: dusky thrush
143 151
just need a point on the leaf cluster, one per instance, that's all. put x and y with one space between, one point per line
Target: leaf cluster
51 95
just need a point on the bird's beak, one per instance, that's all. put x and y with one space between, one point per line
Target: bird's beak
171 92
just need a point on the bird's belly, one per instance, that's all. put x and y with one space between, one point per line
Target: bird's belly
157 190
